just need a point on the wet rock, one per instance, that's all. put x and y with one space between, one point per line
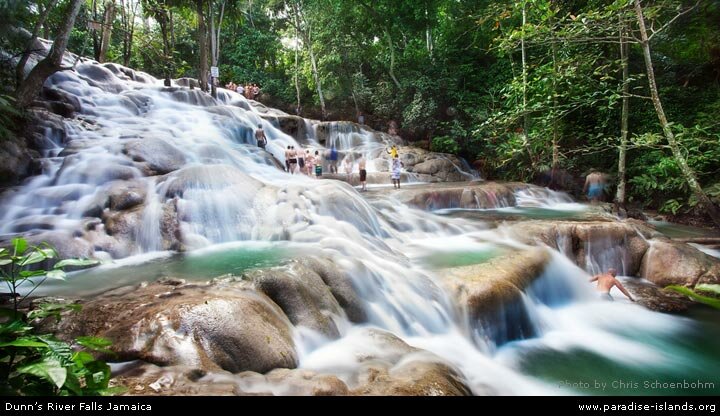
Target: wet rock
592 245
188 82
145 379
193 97
224 325
65 243
460 195
170 228
414 378
657 298
112 245
286 382
215 177
123 224
33 223
341 287
668 262
126 195
491 292
301 294
100 76
61 97
56 195
160 156
17 161
294 127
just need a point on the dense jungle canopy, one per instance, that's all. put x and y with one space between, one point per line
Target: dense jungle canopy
516 87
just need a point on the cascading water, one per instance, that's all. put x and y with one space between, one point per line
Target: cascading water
148 168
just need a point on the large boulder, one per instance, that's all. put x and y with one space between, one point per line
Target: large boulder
413 378
210 178
340 285
656 298
145 379
668 262
222 325
66 244
123 195
476 195
293 126
442 168
301 294
156 154
491 292
295 382
593 245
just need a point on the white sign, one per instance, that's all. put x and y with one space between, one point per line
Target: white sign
214 72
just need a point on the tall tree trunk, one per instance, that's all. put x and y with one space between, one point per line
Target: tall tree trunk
95 35
392 58
162 18
428 34
202 46
555 132
687 172
316 77
20 68
171 26
107 27
622 152
215 40
132 33
32 85
297 67
128 11
213 51
124 19
46 28
306 32
526 141
216 48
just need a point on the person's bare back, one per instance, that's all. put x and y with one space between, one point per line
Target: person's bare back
605 283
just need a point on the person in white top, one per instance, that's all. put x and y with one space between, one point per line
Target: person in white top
348 168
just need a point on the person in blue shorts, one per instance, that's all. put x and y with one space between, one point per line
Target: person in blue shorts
594 186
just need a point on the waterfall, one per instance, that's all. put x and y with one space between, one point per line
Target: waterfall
148 168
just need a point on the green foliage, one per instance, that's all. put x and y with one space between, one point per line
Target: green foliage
451 70
37 364
709 288
419 115
692 294
444 144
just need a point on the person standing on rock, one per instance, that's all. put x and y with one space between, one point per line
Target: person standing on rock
260 137
605 283
348 168
396 167
363 173
293 159
300 159
287 159
594 186
318 164
333 158
309 163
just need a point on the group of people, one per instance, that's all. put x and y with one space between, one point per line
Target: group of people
311 163
249 91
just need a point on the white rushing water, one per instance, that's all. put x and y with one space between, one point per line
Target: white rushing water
198 179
